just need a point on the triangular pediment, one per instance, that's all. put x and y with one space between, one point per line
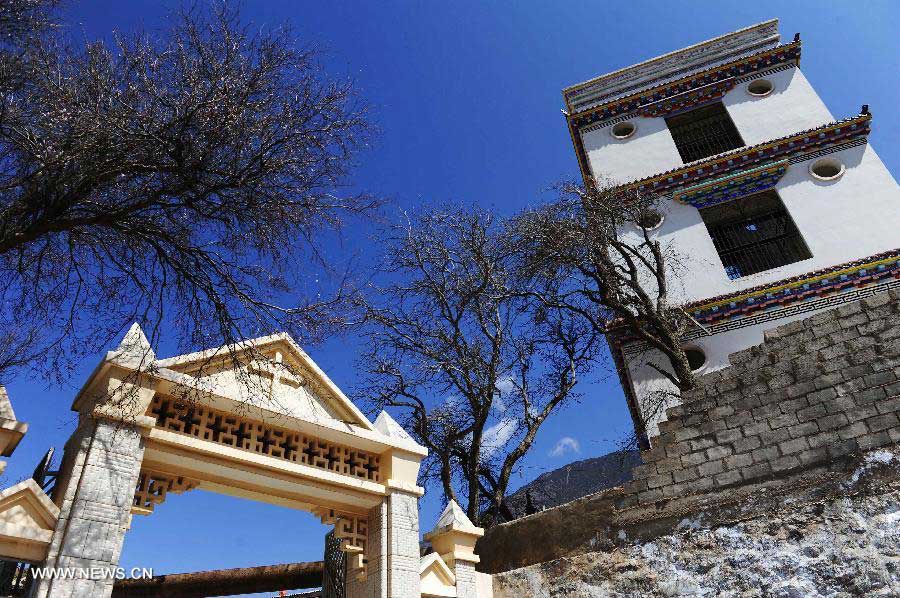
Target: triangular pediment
26 505
272 372
436 578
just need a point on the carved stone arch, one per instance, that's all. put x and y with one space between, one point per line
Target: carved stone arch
150 428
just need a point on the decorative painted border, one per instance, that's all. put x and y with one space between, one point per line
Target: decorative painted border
732 186
654 98
672 65
810 305
863 272
738 81
839 132
729 74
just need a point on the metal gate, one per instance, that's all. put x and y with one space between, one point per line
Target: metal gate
14 578
334 576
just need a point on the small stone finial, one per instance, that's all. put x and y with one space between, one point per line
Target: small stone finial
388 426
865 109
796 37
453 515
134 346
6 409
454 536
11 430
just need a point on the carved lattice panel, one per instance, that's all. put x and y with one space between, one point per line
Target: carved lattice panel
259 437
153 487
352 532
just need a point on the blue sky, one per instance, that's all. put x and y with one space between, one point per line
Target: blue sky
467 97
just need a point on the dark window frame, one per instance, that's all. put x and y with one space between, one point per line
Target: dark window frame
753 234
703 132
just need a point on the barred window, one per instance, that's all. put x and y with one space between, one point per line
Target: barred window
753 234
704 132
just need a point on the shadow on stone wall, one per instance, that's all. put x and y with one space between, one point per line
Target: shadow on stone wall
794 413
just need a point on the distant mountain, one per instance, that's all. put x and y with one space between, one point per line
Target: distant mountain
575 480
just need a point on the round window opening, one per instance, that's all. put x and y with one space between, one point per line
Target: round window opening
623 130
760 87
696 358
649 219
827 169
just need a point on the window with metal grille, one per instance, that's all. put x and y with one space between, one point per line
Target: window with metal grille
704 132
753 234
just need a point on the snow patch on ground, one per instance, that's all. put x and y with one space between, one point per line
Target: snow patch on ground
846 547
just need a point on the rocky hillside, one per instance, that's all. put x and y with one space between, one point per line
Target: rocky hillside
848 546
576 480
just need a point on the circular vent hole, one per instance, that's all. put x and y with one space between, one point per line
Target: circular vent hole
760 87
623 130
827 169
649 219
696 358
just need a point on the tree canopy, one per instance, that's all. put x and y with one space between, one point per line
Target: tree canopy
180 178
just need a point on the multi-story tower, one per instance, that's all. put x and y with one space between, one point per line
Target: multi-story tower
779 208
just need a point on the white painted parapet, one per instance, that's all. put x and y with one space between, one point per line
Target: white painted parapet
450 569
11 430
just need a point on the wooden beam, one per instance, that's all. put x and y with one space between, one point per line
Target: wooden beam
223 582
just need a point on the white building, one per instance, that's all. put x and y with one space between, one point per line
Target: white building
781 208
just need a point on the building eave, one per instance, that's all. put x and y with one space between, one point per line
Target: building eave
795 144
646 98
675 96
858 273
768 38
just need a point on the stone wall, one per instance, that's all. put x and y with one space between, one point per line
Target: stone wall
792 415
846 545
816 389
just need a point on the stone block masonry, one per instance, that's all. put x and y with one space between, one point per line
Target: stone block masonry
817 389
100 471
791 416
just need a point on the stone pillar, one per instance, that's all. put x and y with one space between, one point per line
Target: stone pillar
403 545
465 578
392 551
454 539
100 471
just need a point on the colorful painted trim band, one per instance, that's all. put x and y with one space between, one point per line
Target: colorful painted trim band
654 99
732 186
854 274
835 133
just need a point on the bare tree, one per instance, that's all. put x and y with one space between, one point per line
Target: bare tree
476 361
182 178
596 253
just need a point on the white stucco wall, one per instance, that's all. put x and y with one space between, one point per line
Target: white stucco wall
853 217
850 218
793 106
649 151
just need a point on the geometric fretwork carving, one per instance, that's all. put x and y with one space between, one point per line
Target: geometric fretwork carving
224 428
153 487
353 531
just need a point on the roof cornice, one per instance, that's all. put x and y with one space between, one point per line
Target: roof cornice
795 144
675 64
645 100
857 273
860 273
677 96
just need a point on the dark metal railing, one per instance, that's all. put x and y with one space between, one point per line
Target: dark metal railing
704 132
759 243
44 474
334 575
14 578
